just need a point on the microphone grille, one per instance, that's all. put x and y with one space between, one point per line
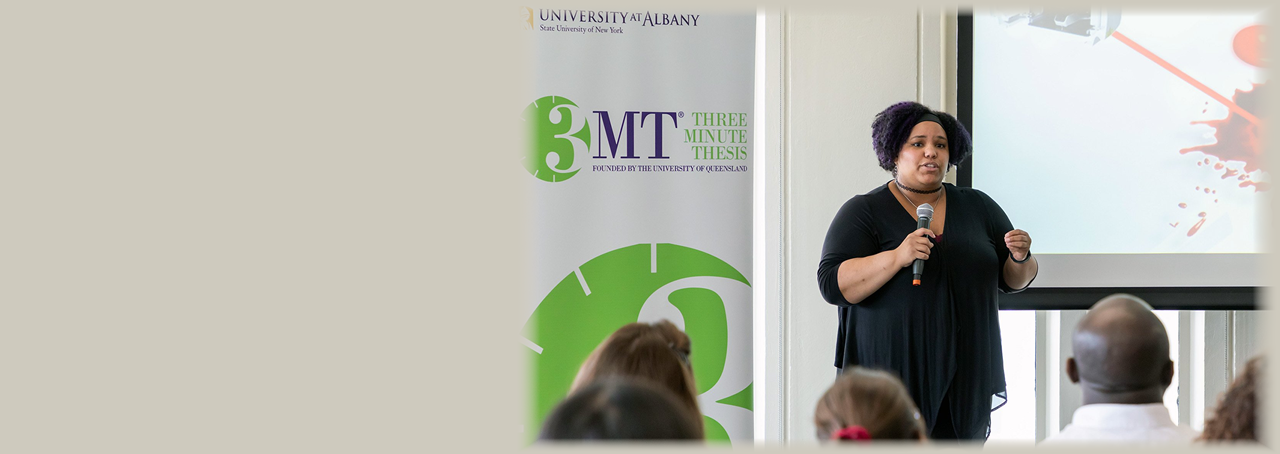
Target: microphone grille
925 211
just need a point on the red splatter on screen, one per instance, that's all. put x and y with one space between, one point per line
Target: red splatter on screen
1236 137
1196 228
1258 186
1249 45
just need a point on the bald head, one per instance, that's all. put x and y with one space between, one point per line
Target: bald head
1122 349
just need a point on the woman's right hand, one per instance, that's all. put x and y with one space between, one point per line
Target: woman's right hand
915 246
859 277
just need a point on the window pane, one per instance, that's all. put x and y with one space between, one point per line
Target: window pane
1015 422
1170 321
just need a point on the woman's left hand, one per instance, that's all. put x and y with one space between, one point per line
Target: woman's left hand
1019 244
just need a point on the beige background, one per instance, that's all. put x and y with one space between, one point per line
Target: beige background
256 226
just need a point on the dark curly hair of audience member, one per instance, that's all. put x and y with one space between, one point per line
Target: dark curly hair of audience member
891 127
1236 417
870 401
621 409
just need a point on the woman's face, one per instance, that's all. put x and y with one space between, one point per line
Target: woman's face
922 162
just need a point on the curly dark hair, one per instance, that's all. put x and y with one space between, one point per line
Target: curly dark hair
891 128
622 408
1237 411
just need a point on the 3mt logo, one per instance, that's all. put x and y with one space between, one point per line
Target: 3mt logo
557 132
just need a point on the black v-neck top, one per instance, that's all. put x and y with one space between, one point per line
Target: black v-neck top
943 337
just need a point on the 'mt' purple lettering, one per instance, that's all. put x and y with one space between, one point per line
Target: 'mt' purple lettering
606 128
657 131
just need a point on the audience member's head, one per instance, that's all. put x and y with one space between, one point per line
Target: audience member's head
658 352
1121 353
622 409
867 404
1236 415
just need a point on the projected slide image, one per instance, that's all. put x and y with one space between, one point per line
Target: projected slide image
1110 131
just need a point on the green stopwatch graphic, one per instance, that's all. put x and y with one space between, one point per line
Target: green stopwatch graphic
644 282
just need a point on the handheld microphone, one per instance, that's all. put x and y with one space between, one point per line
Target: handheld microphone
925 213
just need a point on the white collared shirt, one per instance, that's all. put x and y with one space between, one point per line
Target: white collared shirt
1123 423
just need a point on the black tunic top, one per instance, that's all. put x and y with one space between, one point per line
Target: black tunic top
943 337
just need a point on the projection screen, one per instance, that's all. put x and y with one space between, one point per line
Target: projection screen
1126 143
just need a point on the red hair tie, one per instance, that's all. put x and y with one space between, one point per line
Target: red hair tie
852 433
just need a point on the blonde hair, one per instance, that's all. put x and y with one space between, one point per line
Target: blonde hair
656 352
873 399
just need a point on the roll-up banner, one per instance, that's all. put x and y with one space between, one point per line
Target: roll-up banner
638 160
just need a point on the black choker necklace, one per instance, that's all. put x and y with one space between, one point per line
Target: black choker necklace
917 191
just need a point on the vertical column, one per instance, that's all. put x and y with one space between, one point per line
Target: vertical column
929 45
1210 362
769 393
840 70
947 57
1183 364
1069 395
1043 368
1244 339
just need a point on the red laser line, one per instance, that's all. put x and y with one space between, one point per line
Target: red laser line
1195 83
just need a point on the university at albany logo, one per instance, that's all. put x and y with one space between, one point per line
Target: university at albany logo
557 134
526 16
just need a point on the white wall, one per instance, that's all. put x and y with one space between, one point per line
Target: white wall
839 70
